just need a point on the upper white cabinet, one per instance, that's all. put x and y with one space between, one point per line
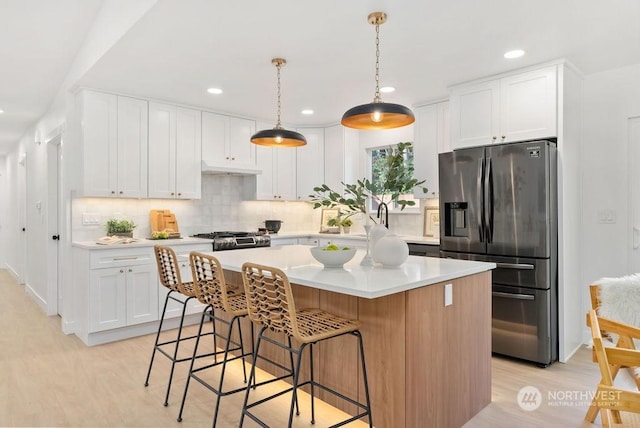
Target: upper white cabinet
431 138
226 142
114 140
278 179
512 108
341 156
309 162
175 152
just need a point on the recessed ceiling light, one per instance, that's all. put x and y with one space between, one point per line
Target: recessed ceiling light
1 111
387 89
214 91
516 53
307 111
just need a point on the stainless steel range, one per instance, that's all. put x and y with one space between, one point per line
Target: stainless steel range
235 240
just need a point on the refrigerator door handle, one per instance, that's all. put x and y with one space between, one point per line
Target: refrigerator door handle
480 185
488 183
521 266
513 295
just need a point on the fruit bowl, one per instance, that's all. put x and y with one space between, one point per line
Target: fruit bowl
333 258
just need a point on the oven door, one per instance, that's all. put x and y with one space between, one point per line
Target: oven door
520 325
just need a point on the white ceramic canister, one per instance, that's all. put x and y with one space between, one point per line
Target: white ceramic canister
378 231
391 251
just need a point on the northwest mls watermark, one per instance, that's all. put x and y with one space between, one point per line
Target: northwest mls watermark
530 398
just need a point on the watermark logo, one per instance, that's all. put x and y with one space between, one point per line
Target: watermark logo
529 398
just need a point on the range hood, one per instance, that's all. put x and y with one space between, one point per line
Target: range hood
208 168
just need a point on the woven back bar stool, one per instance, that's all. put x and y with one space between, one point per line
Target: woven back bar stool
181 292
211 289
271 305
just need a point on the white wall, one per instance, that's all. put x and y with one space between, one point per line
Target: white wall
4 210
610 98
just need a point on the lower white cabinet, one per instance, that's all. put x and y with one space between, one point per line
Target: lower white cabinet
276 242
122 296
351 243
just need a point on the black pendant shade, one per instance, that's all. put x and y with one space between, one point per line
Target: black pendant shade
378 115
278 137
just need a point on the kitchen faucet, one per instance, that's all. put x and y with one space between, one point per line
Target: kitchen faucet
386 213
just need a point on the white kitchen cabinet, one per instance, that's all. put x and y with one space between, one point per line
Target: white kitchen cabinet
431 138
226 141
277 241
123 294
309 240
114 141
515 107
309 162
341 242
175 152
278 179
341 157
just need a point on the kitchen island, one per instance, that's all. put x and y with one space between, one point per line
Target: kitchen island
429 364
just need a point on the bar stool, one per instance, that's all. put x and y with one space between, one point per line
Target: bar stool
181 292
211 289
271 305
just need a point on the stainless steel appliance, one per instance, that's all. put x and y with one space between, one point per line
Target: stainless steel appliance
499 203
235 240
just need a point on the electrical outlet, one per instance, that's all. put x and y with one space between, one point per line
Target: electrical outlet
448 294
607 216
90 219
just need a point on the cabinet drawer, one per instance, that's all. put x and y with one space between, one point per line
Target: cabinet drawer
121 257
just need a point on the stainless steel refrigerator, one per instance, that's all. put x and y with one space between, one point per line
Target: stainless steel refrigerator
499 203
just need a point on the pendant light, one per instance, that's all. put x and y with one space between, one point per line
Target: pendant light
378 114
278 136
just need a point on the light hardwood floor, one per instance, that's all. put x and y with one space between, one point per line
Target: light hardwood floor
50 379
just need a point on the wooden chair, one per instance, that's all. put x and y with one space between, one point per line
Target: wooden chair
621 340
181 292
609 400
271 306
211 289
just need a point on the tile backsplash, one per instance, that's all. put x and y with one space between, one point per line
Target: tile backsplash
222 207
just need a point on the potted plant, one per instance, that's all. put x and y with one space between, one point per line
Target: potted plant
346 224
120 227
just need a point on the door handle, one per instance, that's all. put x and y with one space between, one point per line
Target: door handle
513 295
521 266
479 186
636 232
55 237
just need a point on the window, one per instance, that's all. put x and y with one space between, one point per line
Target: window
391 175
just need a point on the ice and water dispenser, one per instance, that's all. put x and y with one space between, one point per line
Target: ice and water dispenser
456 220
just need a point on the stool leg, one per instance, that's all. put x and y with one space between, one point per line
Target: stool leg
364 376
193 359
224 367
252 375
293 372
296 376
313 407
175 350
155 346
244 356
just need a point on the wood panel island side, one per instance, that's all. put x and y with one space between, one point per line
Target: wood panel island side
428 364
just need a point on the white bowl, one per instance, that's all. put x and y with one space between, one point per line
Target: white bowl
332 259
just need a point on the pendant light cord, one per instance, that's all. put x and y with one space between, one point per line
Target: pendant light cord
376 98
278 124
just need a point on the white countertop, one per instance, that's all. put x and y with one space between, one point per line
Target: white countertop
355 280
416 239
141 242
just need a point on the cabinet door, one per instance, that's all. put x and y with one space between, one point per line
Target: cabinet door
241 150
107 299
474 114
162 150
188 155
425 150
309 163
99 141
142 294
132 148
285 173
334 158
215 138
265 183
528 105
444 128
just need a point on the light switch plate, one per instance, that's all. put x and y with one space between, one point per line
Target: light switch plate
448 294
90 219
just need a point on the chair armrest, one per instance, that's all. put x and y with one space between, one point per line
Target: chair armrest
623 357
619 328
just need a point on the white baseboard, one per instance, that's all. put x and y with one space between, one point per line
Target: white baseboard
35 296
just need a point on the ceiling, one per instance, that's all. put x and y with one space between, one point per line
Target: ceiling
182 47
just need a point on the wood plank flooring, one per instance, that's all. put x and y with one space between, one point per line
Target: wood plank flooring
50 379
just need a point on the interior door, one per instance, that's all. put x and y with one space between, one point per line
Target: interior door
634 194
53 229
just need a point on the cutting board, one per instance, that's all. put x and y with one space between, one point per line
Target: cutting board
164 221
